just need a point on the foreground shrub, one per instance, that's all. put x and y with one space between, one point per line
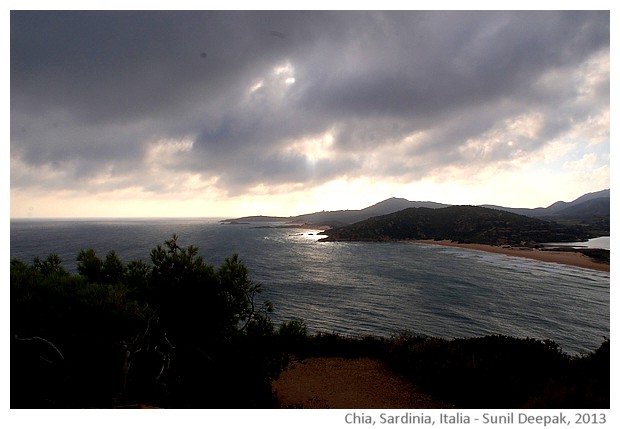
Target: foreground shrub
503 372
497 371
350 346
585 385
174 333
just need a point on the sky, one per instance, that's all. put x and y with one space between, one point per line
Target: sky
233 113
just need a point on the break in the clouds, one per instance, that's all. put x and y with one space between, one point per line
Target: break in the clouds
182 104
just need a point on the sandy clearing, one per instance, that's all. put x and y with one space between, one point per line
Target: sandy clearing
350 383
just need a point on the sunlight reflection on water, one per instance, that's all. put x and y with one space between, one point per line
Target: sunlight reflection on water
364 288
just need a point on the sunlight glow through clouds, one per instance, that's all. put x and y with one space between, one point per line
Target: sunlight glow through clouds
511 133
164 149
312 148
290 112
286 73
256 86
282 73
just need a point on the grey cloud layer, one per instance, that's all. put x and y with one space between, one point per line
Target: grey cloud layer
94 90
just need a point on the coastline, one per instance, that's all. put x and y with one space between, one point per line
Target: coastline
567 258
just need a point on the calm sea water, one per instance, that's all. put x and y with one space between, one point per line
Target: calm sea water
362 288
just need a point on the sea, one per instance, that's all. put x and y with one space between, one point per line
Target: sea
357 289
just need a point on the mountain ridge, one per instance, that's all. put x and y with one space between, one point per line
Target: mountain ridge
580 210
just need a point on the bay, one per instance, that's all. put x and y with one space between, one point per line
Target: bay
361 288
593 243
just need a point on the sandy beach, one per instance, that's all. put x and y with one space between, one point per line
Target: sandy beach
569 258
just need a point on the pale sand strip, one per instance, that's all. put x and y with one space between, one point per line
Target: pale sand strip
567 258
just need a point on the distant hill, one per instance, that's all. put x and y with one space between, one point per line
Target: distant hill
346 217
559 206
598 207
341 217
592 211
467 224
392 205
254 219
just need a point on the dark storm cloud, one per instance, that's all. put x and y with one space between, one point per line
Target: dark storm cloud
111 66
95 90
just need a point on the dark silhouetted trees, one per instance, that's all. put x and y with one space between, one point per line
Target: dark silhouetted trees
173 333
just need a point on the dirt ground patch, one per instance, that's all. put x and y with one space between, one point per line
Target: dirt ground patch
347 383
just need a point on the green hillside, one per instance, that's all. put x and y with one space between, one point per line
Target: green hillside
467 224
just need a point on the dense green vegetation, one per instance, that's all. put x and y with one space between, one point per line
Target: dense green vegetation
179 333
173 333
466 224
